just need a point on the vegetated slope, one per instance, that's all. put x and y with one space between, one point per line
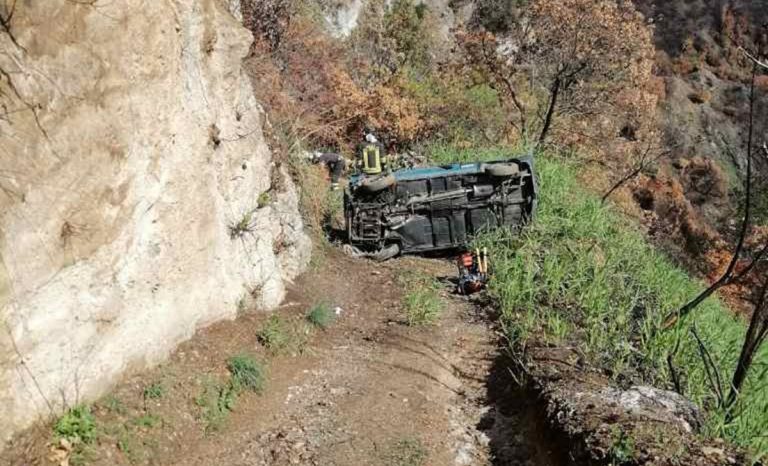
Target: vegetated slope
703 81
584 275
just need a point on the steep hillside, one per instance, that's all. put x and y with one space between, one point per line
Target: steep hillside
704 111
703 21
138 198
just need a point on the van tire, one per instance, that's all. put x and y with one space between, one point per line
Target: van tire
377 183
384 254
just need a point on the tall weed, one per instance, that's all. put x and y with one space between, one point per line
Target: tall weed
585 274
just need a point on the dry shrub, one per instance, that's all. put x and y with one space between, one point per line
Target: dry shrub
314 194
741 294
267 19
596 57
761 83
698 235
677 219
396 114
702 96
704 181
386 108
308 84
644 197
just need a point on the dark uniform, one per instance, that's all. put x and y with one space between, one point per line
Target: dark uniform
335 163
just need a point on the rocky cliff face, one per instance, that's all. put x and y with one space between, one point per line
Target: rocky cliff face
138 198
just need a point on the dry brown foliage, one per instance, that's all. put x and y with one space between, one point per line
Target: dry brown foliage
704 180
677 221
576 71
306 82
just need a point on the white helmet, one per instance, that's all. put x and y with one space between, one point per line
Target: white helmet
371 138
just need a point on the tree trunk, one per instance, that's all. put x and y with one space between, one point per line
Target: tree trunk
728 276
758 327
554 93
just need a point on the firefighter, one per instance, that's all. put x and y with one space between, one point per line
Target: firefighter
372 158
336 164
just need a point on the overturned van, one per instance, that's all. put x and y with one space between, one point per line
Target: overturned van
437 208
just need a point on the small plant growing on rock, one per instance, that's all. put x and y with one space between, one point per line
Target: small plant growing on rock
77 426
623 447
321 316
239 229
264 199
242 305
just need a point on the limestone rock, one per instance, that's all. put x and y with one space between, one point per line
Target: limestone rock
132 159
655 403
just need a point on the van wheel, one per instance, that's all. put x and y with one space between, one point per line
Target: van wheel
377 183
502 169
386 253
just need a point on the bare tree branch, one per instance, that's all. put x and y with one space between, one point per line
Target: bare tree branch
710 368
755 60
756 335
23 363
645 162
673 373
755 261
729 276
490 61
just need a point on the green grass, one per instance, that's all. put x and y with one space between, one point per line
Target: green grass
584 274
127 443
421 301
77 425
321 316
405 452
622 446
114 404
216 401
280 336
147 420
154 391
275 335
247 373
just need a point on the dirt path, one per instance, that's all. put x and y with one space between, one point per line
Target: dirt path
367 391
